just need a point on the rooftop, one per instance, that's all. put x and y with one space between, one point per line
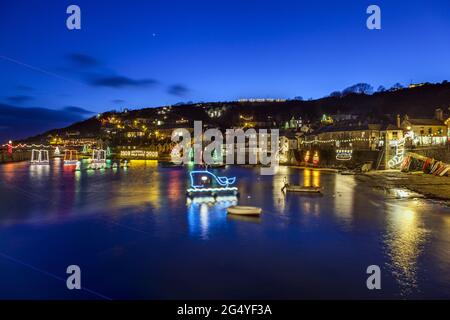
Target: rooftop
425 122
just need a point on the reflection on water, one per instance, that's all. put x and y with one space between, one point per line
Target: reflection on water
205 215
39 172
277 183
231 200
344 190
144 212
310 206
405 237
311 178
252 219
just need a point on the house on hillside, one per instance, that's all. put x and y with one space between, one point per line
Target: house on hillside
356 136
425 131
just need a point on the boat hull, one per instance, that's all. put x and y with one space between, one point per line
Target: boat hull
244 211
303 190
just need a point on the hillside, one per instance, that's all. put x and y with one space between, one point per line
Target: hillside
416 102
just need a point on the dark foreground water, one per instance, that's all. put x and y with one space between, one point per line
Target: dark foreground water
135 236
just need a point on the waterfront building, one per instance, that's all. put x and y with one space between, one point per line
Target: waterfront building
357 136
426 132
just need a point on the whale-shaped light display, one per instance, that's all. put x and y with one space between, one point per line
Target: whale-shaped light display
207 177
205 182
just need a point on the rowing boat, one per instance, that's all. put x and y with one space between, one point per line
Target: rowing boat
244 210
301 189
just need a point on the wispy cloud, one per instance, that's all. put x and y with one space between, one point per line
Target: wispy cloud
82 60
19 99
178 90
118 81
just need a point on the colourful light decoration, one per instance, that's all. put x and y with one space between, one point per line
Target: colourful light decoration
344 154
316 158
211 200
39 157
98 156
24 145
399 154
57 151
307 156
70 157
334 141
399 151
10 148
212 189
138 154
206 175
206 178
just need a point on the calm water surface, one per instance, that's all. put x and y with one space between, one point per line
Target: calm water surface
135 236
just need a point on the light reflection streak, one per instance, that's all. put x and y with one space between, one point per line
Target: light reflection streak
405 238
277 185
311 178
344 197
200 210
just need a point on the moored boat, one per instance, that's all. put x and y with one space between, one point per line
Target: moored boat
244 210
301 189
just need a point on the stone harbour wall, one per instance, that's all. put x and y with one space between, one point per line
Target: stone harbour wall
15 157
327 158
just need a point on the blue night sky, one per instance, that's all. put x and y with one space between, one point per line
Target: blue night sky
149 53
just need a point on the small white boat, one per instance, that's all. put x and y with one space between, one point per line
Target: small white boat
302 189
244 210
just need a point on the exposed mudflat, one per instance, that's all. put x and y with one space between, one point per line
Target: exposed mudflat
430 186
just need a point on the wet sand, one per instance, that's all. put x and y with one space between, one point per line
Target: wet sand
430 186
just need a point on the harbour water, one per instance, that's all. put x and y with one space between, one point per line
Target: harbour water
136 236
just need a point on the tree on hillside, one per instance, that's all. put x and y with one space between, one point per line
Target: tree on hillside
397 86
298 98
336 94
359 88
381 89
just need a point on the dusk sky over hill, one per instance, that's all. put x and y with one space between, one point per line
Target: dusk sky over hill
149 53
